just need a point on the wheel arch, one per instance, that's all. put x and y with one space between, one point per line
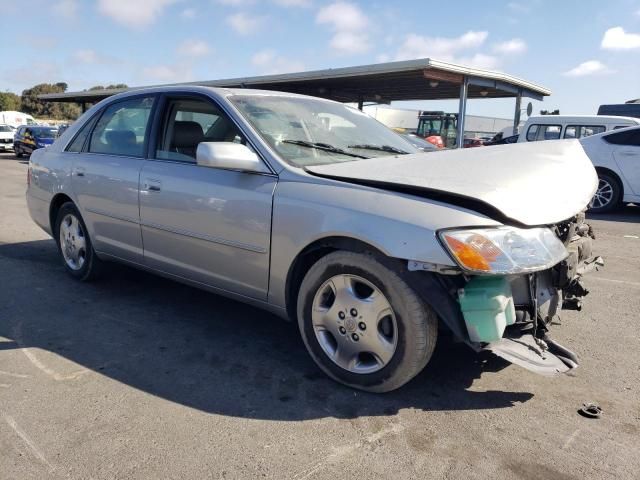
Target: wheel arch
615 176
54 207
432 288
310 255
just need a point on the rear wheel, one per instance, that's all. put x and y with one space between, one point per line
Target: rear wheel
74 244
362 324
608 195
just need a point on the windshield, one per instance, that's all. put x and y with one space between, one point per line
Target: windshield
45 132
5 128
308 131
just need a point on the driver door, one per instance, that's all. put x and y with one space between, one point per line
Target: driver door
208 225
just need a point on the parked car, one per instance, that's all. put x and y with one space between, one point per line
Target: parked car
419 142
309 209
503 140
29 138
616 156
472 142
556 127
6 138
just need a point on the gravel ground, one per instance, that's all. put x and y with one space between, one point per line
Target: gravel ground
139 377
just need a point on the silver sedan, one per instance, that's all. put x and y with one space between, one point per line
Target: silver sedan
312 210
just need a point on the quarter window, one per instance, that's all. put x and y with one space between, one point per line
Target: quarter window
532 133
81 137
628 137
188 122
543 132
121 128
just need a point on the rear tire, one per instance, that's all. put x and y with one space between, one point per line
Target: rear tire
346 294
74 245
608 196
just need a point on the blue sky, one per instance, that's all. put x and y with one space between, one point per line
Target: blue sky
587 52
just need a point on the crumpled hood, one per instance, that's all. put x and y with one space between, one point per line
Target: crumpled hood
537 183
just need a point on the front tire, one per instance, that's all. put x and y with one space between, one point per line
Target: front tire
74 244
363 325
608 195
17 151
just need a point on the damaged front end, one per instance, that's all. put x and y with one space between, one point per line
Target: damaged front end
511 315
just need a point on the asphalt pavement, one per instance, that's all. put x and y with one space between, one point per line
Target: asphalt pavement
135 376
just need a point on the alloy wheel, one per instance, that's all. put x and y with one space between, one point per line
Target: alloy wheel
603 195
354 324
73 242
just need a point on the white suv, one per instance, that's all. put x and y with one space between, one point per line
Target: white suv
616 156
6 138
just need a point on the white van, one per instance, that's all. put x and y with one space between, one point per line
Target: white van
556 127
15 119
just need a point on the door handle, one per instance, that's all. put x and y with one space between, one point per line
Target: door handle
152 185
628 153
79 171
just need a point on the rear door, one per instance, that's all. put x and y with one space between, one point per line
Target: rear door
106 172
626 152
205 224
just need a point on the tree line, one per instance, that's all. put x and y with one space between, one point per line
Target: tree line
29 103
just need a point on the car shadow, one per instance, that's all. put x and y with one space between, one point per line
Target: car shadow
202 350
626 214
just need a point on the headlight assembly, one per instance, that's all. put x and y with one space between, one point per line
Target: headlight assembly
503 250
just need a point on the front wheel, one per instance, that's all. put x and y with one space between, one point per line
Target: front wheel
74 244
364 325
17 151
607 196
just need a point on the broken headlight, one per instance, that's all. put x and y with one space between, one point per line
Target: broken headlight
503 250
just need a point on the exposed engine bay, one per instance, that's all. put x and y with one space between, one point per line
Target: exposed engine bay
538 299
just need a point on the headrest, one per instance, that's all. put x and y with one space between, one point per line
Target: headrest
186 134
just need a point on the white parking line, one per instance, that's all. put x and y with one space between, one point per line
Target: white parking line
38 454
613 280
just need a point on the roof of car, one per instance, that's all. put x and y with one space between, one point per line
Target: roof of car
589 118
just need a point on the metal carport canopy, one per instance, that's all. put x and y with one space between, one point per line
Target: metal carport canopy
421 79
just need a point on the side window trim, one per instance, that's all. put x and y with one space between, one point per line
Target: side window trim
99 115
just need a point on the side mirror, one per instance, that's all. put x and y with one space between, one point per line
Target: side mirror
228 155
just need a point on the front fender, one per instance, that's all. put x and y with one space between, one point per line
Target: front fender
398 225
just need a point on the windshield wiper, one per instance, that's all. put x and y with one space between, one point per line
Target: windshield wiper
325 147
381 148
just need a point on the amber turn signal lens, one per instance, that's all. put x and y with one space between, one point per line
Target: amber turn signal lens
476 253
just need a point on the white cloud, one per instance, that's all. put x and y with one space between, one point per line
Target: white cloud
244 24
617 39
350 27
350 42
513 46
343 16
193 48
518 7
439 48
269 62
293 3
590 67
166 74
131 13
188 13
86 56
235 3
65 8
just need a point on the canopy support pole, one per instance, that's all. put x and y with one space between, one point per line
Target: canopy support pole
462 111
516 116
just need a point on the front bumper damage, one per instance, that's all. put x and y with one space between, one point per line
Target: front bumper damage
537 301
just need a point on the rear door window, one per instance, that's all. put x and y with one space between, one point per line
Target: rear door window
121 130
581 131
